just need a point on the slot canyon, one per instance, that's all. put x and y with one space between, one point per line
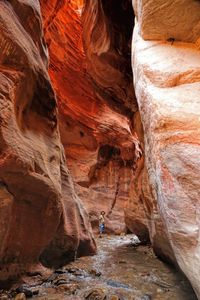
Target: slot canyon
99 111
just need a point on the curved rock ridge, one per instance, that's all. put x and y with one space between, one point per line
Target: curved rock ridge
41 217
135 214
174 20
166 80
101 149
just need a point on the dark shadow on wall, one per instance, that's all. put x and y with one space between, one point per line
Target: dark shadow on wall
107 36
120 18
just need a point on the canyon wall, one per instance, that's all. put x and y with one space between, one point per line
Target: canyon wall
166 67
41 217
92 77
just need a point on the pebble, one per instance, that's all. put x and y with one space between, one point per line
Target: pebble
95 294
95 272
114 297
35 292
20 296
59 271
60 279
25 290
70 288
122 262
75 271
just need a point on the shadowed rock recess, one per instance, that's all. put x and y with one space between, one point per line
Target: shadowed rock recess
130 134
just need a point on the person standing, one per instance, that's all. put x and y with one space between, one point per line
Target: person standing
101 223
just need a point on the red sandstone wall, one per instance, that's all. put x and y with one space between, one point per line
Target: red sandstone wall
41 217
90 118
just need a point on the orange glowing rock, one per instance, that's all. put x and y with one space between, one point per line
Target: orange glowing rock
88 116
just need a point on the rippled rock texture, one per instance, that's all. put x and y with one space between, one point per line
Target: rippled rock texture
91 72
41 218
166 79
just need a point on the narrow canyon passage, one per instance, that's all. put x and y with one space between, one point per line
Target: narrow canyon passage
99 111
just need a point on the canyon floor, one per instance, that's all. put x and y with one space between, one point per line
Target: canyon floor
120 271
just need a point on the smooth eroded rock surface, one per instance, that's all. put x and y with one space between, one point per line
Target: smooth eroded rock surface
166 78
163 20
41 218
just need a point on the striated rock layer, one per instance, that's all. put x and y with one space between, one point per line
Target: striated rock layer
93 82
107 32
166 79
41 218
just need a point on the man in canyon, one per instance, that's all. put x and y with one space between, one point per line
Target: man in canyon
101 223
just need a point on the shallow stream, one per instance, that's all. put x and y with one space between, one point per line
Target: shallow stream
119 271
